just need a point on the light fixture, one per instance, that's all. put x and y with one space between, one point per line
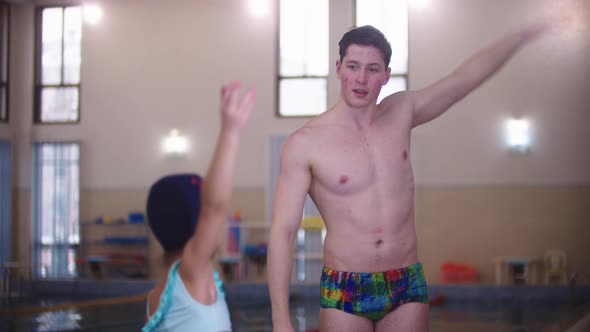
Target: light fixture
518 135
92 13
258 8
175 144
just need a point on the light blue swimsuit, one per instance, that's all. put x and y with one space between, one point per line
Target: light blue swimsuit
178 311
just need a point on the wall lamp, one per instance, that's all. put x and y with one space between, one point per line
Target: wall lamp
518 136
175 144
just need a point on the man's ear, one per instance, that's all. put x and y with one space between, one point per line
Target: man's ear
338 66
388 73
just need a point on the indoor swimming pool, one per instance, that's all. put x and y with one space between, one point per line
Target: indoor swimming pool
305 316
465 309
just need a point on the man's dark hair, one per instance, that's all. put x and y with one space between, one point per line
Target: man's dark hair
367 36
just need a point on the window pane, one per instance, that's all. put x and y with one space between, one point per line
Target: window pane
71 190
56 207
395 84
302 97
5 201
72 45
45 262
391 17
58 262
304 38
59 104
51 60
47 198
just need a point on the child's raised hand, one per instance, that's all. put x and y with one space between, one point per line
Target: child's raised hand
235 112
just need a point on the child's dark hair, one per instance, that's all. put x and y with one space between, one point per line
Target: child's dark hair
367 36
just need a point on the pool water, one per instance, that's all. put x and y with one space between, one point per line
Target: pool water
459 317
123 317
509 318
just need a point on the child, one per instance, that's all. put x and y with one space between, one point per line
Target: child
187 225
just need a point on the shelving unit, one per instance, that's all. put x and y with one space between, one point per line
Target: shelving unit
307 256
113 250
243 265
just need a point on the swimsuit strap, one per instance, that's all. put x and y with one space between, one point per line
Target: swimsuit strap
147 305
165 300
219 284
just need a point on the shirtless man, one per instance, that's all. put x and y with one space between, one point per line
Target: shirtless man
354 162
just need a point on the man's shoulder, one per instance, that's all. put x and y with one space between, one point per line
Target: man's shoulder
397 102
303 140
310 129
300 137
296 147
317 131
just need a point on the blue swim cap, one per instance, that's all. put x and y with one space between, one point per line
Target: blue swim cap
173 207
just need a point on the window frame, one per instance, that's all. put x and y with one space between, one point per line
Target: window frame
38 52
5 84
406 75
402 76
298 77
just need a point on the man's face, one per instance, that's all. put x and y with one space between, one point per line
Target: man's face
362 73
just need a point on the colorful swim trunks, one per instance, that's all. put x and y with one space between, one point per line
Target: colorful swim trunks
372 295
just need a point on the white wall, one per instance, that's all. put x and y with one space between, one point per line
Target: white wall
547 83
151 66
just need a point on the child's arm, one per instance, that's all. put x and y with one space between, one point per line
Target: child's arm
217 186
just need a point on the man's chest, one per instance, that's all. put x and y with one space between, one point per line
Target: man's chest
349 163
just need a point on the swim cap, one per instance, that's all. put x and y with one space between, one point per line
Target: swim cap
173 207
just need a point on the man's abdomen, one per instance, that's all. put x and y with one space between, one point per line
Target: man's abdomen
370 252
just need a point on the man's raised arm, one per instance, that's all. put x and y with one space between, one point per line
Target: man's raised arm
436 98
